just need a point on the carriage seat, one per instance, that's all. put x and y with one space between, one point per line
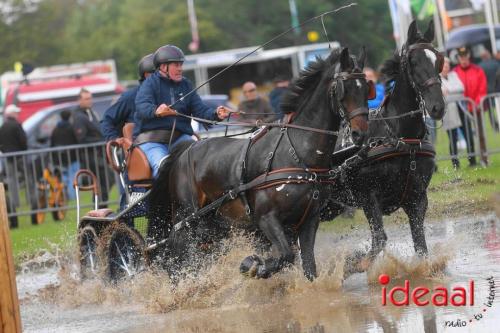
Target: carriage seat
103 212
138 169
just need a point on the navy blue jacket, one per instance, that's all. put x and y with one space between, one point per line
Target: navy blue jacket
156 90
275 99
118 114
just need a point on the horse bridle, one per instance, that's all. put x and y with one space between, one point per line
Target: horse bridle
405 66
337 94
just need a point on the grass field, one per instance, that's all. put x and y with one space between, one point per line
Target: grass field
451 193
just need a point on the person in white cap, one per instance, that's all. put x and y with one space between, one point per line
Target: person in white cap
12 138
12 135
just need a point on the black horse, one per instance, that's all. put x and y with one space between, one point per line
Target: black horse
400 162
284 168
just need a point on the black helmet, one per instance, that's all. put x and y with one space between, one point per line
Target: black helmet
146 66
166 54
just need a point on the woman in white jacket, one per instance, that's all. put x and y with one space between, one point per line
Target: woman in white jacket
453 91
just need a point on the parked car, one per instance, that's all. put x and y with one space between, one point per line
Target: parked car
39 127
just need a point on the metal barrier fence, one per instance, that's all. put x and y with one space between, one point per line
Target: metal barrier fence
40 181
480 135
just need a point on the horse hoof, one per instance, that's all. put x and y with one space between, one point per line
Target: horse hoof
250 265
262 272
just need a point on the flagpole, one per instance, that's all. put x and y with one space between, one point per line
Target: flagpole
495 11
438 26
193 22
491 28
444 18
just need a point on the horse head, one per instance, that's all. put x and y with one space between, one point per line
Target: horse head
422 64
349 93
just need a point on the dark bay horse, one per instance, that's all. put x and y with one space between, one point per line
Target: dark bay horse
286 167
400 162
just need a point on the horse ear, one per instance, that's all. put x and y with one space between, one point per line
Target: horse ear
345 60
362 57
413 32
429 34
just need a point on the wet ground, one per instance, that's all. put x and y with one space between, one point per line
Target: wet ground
221 300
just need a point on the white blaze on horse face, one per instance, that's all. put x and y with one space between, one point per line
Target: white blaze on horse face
319 152
431 56
358 83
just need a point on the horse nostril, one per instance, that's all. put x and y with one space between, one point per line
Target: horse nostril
356 136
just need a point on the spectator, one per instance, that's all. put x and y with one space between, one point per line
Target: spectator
12 139
280 87
371 75
453 90
64 135
475 85
490 67
254 107
87 130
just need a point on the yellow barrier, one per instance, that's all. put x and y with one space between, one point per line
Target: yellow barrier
10 317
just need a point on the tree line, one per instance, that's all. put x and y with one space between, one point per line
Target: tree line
49 32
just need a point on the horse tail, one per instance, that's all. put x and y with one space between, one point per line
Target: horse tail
159 203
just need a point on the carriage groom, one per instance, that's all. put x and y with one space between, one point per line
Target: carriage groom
155 118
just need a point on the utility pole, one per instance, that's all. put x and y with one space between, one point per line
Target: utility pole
294 16
193 22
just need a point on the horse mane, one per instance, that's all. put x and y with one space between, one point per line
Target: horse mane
307 79
391 68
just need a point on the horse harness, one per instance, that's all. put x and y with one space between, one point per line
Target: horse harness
392 146
293 175
271 178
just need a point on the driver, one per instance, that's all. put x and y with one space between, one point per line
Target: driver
155 119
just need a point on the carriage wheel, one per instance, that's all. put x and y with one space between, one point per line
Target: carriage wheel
88 242
125 253
60 201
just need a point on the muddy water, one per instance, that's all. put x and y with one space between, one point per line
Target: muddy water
219 299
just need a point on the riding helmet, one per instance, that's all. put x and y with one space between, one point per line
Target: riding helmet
166 54
146 66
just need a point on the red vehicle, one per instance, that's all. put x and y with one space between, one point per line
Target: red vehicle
47 86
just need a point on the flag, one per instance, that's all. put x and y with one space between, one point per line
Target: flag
423 8
401 18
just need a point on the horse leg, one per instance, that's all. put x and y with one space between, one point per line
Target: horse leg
416 213
375 220
254 265
307 238
359 261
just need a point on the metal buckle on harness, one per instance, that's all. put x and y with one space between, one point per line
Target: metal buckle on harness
314 177
315 195
293 153
232 194
413 163
270 155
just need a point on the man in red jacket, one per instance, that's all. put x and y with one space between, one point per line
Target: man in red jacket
474 80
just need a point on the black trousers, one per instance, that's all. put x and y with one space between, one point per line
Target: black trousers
453 139
469 136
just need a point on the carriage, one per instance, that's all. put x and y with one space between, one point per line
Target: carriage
297 154
115 244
